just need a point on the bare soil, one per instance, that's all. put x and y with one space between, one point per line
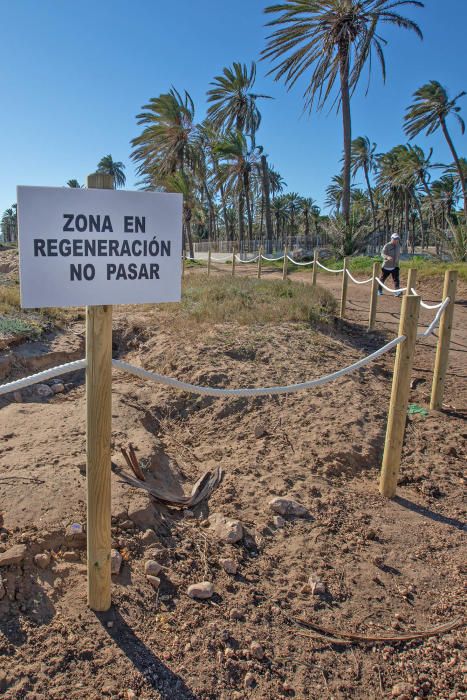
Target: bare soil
388 567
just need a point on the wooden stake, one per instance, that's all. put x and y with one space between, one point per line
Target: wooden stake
260 261
209 261
315 266
284 266
444 340
233 261
397 416
345 282
374 296
411 280
98 437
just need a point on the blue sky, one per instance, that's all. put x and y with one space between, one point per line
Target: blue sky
73 75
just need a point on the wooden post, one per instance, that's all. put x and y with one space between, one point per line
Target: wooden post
345 282
444 340
284 266
411 280
233 261
374 295
399 396
98 437
260 261
209 261
315 266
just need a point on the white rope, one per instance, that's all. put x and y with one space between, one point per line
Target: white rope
299 263
260 391
272 259
359 281
328 269
247 261
435 321
42 376
427 306
393 291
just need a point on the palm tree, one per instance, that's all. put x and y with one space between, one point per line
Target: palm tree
166 143
183 184
429 111
9 225
73 183
114 168
233 104
362 157
276 181
335 193
335 39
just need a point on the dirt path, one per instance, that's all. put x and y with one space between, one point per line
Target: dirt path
385 567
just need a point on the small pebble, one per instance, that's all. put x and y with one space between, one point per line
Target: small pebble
256 650
201 591
154 581
152 568
229 565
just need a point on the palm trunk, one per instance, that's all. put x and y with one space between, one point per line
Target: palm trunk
267 201
347 127
457 162
188 232
370 194
241 218
246 186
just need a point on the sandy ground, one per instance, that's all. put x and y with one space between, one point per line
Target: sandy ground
385 567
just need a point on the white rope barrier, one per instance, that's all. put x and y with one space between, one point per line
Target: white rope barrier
359 281
260 391
427 306
298 263
247 261
435 321
393 291
42 376
328 269
272 259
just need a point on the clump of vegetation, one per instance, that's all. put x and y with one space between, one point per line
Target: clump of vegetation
250 301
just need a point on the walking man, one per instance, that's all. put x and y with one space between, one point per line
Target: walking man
391 253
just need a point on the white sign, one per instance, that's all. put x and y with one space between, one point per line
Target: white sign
82 247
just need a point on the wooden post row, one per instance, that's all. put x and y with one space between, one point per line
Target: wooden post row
98 438
315 267
345 282
260 261
397 416
411 280
444 340
284 266
233 260
374 296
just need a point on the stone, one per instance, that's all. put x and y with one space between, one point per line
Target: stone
403 691
287 506
201 591
148 537
152 568
43 391
257 650
235 614
71 556
115 562
278 521
249 680
14 555
260 431
42 560
154 581
58 388
229 565
75 534
227 530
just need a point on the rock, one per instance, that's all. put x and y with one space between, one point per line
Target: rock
278 521
403 691
229 565
43 391
152 568
201 591
75 534
58 388
287 506
154 581
14 555
115 562
256 650
42 560
260 431
249 680
235 614
71 556
226 529
148 537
